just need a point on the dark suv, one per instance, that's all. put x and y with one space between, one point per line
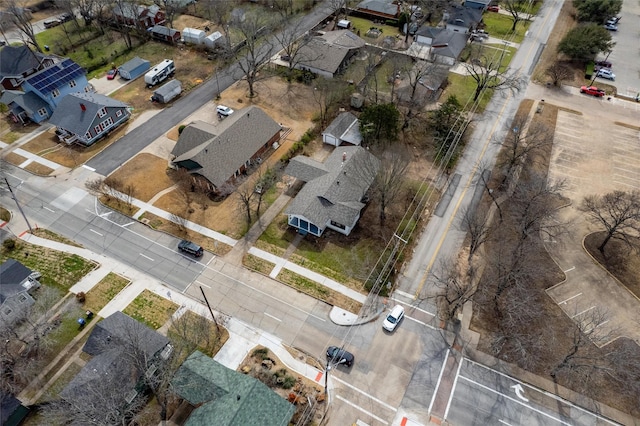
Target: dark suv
190 248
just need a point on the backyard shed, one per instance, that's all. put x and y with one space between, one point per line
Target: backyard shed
167 92
160 32
134 68
213 40
193 36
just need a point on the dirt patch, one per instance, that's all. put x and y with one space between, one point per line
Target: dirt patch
190 21
620 260
15 159
38 169
307 396
137 172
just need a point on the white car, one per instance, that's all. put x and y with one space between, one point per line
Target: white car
606 73
393 319
224 110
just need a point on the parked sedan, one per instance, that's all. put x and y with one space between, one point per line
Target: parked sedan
606 73
225 111
493 8
52 23
335 355
593 91
611 27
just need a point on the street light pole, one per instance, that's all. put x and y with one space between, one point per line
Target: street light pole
217 83
18 204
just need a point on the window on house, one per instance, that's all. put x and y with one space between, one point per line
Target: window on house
22 298
55 93
97 129
42 112
87 89
73 83
88 136
102 112
314 229
338 225
119 113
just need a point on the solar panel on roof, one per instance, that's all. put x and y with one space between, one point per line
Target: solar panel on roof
51 78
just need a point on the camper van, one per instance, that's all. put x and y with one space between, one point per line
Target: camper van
160 72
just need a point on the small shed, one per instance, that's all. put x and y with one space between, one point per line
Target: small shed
344 24
213 40
160 32
134 68
167 92
193 36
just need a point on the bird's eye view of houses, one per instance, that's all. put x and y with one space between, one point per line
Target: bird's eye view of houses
319 212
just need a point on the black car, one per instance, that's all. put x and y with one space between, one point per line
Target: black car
335 355
65 17
191 248
52 23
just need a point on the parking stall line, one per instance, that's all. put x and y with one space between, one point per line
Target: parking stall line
585 311
371 397
564 302
435 392
453 388
357 407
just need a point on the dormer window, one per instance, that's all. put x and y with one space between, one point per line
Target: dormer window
102 112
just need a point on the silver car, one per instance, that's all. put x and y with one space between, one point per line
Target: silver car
606 73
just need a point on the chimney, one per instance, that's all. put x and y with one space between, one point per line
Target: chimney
82 107
344 156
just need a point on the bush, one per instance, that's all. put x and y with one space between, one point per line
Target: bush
289 381
181 128
261 353
81 297
9 244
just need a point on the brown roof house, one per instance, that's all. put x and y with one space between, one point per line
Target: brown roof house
224 397
335 191
223 152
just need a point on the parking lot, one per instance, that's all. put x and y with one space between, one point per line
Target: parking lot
625 59
595 152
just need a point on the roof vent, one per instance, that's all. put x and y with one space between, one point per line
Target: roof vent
237 397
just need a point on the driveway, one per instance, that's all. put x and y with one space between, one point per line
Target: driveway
594 154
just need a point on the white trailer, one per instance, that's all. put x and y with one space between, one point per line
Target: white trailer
213 40
193 36
160 72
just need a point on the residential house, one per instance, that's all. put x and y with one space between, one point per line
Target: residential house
223 152
138 15
344 129
162 33
43 91
122 348
335 191
330 53
477 4
19 62
85 118
447 47
386 9
462 19
224 397
16 281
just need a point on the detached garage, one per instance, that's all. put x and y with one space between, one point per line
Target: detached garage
344 129
134 68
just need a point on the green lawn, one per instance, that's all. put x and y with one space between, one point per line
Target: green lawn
59 269
499 26
102 293
463 87
490 51
363 25
151 309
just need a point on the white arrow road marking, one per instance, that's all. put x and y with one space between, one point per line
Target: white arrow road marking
519 392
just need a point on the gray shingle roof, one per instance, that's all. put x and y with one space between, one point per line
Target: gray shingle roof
230 398
328 51
453 43
223 149
30 102
336 194
430 32
464 16
16 60
70 116
346 126
119 329
12 274
380 6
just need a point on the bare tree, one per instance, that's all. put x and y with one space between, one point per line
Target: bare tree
294 46
520 142
21 17
326 93
618 212
390 178
454 289
180 222
264 180
258 48
245 194
583 358
559 72
475 221
171 9
126 7
416 73
489 74
218 11
337 8
517 10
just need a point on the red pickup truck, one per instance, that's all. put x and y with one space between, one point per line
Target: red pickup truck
593 91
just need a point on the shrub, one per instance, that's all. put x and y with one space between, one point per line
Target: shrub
261 353
181 128
289 381
81 297
9 244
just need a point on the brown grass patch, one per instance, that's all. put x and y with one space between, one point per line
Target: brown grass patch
199 331
318 291
171 228
47 146
151 309
39 169
137 171
50 235
102 293
258 264
14 159
174 134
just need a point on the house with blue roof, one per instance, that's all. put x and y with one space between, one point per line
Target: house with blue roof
44 90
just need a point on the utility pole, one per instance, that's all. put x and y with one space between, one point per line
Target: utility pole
18 204
211 311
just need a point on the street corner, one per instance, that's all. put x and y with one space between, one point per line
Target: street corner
340 316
